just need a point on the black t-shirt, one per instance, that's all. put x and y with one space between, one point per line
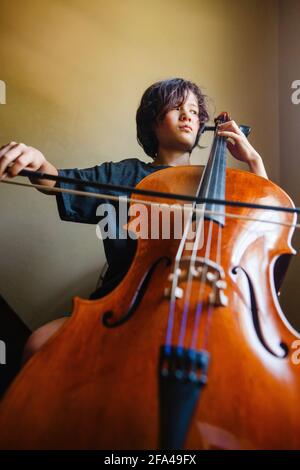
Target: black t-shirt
119 250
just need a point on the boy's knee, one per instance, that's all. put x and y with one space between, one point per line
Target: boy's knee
32 345
39 337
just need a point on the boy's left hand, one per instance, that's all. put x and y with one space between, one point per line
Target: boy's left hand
239 146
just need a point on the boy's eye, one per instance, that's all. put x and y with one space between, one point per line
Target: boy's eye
177 108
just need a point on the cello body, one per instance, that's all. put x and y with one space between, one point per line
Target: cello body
95 384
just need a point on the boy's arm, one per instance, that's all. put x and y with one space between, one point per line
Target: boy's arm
256 165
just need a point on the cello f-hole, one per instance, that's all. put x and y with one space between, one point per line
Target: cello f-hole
107 318
255 316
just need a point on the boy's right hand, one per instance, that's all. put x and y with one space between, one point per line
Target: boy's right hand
15 157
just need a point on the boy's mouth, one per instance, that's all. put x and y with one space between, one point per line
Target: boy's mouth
185 128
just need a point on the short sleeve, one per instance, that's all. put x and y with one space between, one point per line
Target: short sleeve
76 208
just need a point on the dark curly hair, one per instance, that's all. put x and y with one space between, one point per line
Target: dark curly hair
156 101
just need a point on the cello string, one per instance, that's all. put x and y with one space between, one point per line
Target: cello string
208 319
176 272
149 203
189 283
199 305
191 269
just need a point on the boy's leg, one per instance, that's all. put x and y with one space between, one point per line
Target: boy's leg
40 336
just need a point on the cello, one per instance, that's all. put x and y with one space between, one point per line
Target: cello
191 350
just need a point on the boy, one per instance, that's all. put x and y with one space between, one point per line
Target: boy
169 122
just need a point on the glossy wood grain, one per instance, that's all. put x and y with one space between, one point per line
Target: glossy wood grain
93 387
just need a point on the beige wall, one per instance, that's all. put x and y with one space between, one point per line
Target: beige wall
75 71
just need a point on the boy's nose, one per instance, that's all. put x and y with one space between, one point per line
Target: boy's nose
185 116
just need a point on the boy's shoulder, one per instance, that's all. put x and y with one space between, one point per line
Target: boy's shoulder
127 171
129 162
129 165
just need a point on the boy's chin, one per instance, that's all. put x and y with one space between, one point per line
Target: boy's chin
187 146
187 143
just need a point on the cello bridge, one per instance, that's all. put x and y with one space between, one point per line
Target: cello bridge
203 270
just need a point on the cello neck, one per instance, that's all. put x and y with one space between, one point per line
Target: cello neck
213 183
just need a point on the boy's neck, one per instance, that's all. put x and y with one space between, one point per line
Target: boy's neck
172 158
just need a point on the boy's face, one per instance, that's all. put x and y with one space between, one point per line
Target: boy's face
179 127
